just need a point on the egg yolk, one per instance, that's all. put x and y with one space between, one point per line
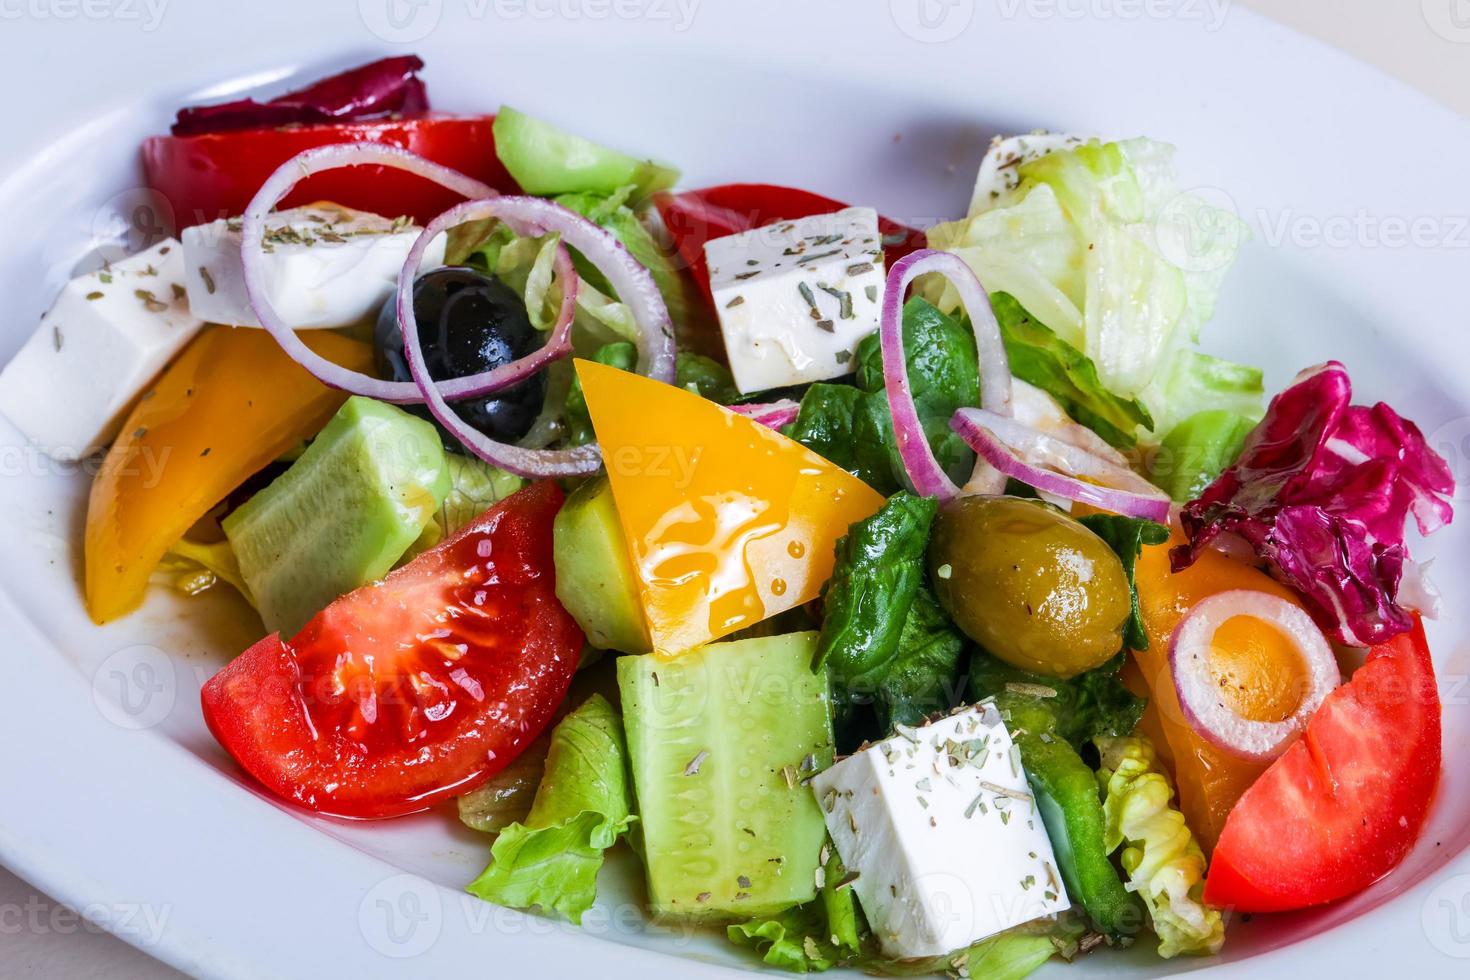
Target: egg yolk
1259 673
1258 670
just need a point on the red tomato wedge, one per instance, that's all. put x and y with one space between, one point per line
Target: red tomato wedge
1341 807
413 689
695 217
214 175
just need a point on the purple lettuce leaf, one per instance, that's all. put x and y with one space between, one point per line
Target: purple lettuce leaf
1321 493
390 85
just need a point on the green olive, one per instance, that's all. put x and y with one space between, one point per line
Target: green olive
1029 584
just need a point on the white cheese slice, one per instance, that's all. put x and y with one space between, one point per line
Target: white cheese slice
103 340
940 828
795 297
324 265
1000 170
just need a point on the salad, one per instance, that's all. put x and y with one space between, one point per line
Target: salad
913 600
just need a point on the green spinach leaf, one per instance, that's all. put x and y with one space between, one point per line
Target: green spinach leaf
1127 536
852 426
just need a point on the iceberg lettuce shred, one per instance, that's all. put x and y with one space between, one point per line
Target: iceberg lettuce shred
1164 863
1098 242
809 938
584 804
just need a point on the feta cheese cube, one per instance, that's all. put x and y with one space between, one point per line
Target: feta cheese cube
999 174
941 829
103 340
795 297
325 266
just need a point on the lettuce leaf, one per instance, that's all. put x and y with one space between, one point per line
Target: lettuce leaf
1198 450
829 932
1322 492
1099 243
583 805
809 938
1011 955
1040 357
1164 863
686 306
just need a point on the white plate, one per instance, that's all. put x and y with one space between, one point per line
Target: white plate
134 814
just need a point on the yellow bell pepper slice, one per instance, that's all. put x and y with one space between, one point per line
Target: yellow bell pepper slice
232 402
727 522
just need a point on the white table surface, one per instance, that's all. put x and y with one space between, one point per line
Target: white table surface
1423 42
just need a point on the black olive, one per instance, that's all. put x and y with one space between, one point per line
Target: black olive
468 322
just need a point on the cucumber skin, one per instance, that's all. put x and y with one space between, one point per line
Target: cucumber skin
755 706
384 479
546 160
594 575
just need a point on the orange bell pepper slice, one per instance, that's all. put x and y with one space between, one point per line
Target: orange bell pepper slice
1259 670
231 403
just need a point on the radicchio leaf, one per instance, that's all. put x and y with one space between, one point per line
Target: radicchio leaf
385 86
1321 493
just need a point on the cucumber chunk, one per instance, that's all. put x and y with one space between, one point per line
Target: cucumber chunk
546 160
594 575
722 740
344 512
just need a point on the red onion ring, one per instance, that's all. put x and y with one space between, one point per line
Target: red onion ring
924 471
773 415
252 231
1199 694
1021 452
533 214
1035 408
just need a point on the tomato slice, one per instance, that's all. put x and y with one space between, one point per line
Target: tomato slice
1341 807
412 689
214 175
695 217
